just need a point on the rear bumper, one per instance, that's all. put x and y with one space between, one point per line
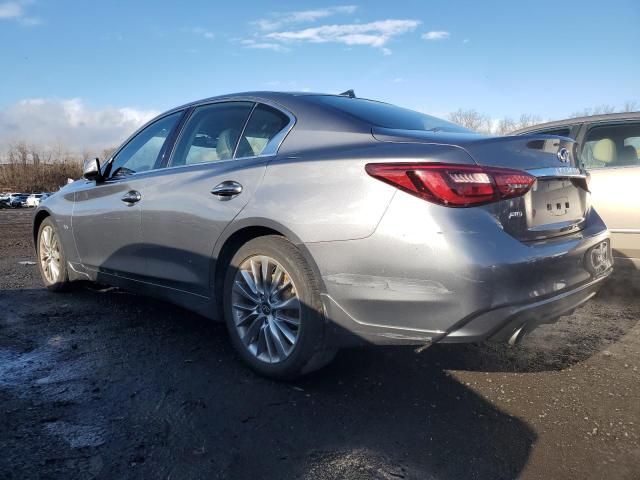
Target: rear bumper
506 323
510 322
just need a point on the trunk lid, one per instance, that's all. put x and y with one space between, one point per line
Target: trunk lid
522 152
558 202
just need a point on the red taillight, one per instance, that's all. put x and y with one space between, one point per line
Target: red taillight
453 185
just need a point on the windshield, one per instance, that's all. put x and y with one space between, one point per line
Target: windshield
388 116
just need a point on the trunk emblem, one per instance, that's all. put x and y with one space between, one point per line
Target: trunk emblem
563 155
599 258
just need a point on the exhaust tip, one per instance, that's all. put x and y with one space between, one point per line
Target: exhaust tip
517 336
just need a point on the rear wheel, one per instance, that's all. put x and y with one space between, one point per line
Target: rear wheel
273 309
51 260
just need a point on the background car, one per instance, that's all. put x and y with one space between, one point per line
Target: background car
18 200
608 146
7 197
34 199
310 222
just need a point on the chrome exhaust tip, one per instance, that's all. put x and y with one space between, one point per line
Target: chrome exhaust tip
517 336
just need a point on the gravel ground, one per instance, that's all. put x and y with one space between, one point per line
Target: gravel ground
105 384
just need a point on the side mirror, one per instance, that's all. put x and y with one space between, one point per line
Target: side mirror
91 169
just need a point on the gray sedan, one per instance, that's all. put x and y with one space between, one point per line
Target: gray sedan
309 222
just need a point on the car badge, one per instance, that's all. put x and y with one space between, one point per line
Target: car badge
563 155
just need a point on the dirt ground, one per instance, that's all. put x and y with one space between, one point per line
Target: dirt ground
105 384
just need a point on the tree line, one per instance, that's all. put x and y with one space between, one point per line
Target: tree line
479 122
30 168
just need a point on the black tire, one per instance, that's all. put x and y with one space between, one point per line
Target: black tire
62 283
309 353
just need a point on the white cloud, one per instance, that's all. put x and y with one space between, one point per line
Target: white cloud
374 34
277 20
71 122
11 10
276 47
436 35
16 11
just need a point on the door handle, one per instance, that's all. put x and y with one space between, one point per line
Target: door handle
131 197
227 190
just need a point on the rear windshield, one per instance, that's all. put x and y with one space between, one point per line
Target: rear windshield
388 116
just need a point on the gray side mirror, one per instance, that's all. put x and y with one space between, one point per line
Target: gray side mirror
91 169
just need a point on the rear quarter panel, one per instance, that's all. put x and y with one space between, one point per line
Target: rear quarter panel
327 195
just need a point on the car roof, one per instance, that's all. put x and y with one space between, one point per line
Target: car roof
286 99
578 120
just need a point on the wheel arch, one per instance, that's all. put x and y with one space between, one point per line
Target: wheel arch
240 233
37 221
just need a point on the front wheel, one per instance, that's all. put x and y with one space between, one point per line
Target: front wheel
51 260
273 309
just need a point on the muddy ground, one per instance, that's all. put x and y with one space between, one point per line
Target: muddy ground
105 384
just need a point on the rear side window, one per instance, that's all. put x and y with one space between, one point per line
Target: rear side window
386 115
608 146
264 124
211 133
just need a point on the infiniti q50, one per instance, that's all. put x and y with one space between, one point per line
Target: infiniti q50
309 222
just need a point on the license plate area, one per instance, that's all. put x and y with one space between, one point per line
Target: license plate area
556 201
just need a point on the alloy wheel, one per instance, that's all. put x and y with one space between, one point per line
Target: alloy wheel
266 309
50 258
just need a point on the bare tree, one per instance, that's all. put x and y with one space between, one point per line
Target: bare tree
527 120
630 106
30 169
597 110
505 125
470 119
106 153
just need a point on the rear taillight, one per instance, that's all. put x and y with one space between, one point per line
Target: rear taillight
453 185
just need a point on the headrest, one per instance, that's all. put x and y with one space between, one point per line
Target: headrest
226 143
604 151
627 156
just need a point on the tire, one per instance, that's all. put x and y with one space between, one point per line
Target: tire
55 279
273 315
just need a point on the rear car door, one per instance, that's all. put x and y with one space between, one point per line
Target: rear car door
218 161
106 218
610 152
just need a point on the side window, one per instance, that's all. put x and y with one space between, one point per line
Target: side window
616 145
211 133
264 124
142 152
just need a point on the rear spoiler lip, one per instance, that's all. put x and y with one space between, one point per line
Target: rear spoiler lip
557 172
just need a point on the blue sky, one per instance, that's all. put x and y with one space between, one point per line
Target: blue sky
503 58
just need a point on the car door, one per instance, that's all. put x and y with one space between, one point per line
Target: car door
217 164
610 151
106 218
